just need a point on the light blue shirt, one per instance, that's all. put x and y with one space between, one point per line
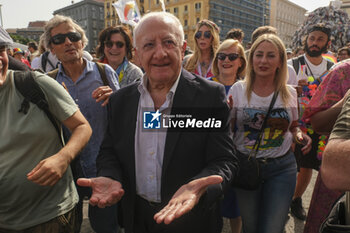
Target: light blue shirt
150 144
96 115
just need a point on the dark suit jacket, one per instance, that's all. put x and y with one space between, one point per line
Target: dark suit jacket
187 155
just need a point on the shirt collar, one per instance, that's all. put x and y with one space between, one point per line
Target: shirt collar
88 68
142 88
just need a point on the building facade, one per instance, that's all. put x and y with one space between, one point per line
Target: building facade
111 17
346 6
89 14
33 31
189 12
244 14
287 18
227 14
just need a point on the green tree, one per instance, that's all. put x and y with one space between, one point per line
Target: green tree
19 39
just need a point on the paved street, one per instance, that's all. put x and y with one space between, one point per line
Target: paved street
293 226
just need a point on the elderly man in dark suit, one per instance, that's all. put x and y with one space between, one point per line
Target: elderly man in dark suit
169 178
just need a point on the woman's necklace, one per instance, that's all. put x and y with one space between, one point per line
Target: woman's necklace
203 67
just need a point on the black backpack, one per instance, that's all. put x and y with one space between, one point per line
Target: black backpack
45 59
336 219
297 61
32 92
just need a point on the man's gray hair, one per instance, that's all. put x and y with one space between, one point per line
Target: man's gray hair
57 20
165 16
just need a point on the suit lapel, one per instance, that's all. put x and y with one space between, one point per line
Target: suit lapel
183 99
130 126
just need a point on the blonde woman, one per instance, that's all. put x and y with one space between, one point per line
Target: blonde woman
207 41
229 66
265 210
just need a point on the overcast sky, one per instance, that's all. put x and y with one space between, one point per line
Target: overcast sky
311 5
18 13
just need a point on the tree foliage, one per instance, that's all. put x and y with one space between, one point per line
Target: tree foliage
19 39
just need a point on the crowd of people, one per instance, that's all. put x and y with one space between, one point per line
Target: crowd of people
170 180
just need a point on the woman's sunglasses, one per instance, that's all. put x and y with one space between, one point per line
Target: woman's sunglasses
61 38
231 56
109 44
206 34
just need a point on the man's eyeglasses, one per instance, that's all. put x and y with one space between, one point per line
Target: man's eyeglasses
231 56
109 44
206 34
61 38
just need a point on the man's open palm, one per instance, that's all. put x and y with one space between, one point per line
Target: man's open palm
185 199
105 191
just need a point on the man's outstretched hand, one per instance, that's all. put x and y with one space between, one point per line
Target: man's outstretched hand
105 191
185 199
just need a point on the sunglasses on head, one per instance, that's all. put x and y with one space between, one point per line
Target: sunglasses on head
109 44
231 56
61 38
206 34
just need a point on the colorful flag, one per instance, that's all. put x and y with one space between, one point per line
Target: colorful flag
128 11
329 58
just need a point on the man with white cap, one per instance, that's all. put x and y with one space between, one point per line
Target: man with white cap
37 188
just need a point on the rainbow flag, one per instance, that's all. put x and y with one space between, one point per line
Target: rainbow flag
330 57
128 12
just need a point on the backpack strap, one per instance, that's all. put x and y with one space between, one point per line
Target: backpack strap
44 60
32 92
100 67
102 71
296 65
53 73
329 65
297 61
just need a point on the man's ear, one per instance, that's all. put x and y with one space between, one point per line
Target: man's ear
184 46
